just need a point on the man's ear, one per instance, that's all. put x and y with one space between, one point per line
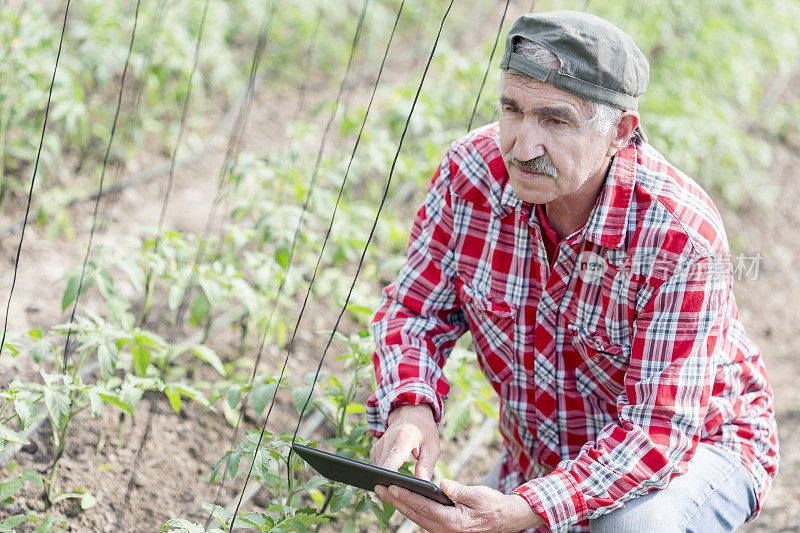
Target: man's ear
624 129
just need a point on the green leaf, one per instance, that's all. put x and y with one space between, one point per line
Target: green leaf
107 357
130 395
261 464
50 379
253 519
24 410
10 523
209 356
341 498
71 291
96 403
199 309
174 398
232 463
41 349
217 511
282 255
88 500
360 309
176 293
245 294
58 405
383 513
299 395
9 488
314 482
134 271
213 291
363 504
234 396
12 349
183 526
116 402
355 408
261 396
141 358
32 476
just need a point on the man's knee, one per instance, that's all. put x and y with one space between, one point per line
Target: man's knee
635 519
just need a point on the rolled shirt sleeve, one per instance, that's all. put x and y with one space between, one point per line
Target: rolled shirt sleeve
660 414
419 318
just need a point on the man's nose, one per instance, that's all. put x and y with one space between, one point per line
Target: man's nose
530 141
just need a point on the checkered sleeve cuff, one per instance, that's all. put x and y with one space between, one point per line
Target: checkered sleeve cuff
409 393
557 498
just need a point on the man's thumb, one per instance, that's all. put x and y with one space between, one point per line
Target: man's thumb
455 491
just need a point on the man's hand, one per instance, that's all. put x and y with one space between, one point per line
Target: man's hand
477 509
411 431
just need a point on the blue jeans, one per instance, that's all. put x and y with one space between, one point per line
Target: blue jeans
714 495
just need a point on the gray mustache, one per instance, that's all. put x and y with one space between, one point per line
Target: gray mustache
540 164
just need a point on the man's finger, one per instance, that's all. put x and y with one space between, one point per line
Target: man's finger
396 455
416 508
460 493
425 464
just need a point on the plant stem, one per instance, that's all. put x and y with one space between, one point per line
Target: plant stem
244 323
206 329
328 498
60 437
148 291
120 427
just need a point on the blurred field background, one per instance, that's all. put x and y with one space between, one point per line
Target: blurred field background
165 338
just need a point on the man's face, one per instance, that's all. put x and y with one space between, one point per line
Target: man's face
547 127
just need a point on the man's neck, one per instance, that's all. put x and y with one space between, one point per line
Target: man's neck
570 213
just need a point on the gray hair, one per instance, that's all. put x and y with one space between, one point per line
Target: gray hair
603 116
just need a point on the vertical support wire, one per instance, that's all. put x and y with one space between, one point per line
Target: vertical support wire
233 143
33 177
321 252
114 192
102 178
371 232
488 66
298 229
309 62
148 284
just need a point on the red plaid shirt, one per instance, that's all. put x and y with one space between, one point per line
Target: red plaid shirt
611 364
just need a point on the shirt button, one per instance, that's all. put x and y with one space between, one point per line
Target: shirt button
598 343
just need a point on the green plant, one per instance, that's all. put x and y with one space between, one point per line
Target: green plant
46 524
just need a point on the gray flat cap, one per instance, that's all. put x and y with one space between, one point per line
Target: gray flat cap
598 60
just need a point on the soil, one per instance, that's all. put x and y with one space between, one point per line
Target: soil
181 448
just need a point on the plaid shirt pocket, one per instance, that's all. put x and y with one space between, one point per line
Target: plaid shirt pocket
491 322
603 364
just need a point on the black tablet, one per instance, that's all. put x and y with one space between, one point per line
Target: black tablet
366 476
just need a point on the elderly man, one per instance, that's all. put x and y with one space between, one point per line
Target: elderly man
594 278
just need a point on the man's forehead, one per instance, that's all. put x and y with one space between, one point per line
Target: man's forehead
528 91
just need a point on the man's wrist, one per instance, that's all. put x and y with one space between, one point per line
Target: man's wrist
523 515
420 412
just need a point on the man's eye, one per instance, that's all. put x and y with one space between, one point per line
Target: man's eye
556 121
510 109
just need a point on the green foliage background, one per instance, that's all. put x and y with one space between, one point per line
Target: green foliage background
716 107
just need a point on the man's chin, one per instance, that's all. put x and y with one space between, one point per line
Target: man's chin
537 190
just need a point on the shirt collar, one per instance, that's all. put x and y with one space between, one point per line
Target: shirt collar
608 220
